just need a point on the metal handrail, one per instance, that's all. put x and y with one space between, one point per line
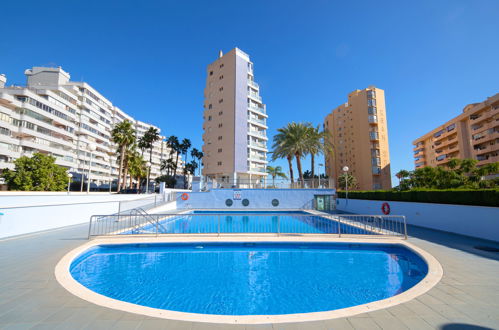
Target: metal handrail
287 223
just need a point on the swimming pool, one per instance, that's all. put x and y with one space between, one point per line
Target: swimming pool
197 222
249 278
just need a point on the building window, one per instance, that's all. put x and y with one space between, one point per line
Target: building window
371 102
371 110
220 125
220 113
219 163
451 127
209 118
220 89
221 101
221 77
220 150
211 73
220 137
221 65
210 106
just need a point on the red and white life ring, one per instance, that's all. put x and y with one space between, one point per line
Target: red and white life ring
385 208
185 196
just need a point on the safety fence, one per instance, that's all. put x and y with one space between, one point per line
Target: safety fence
138 222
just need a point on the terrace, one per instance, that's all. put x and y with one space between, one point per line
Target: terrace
31 297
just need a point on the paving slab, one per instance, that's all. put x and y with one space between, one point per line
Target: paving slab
31 298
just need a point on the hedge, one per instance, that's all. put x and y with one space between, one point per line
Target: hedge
484 197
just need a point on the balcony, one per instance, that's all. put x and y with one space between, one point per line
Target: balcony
258 109
260 134
253 84
255 96
257 121
257 145
373 136
373 119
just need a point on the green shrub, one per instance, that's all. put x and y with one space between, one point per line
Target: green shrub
483 197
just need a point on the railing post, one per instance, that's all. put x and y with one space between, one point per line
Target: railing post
278 225
219 225
157 224
90 227
405 227
119 208
339 226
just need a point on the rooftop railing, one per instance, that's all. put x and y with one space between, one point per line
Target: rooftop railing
268 183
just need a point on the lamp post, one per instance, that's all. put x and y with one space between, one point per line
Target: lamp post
91 148
148 165
69 179
345 169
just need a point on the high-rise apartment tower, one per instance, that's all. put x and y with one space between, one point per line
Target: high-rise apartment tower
472 134
235 123
359 138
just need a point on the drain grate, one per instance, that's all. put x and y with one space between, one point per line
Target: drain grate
487 248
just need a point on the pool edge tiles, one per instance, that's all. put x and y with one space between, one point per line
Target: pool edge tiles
64 277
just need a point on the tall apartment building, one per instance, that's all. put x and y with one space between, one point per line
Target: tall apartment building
359 136
472 134
56 116
235 123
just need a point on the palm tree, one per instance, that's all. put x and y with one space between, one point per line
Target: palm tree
402 174
184 148
195 153
150 137
281 148
169 166
189 168
342 180
137 168
123 135
275 172
299 144
174 145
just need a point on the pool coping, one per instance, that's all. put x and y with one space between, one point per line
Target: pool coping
63 276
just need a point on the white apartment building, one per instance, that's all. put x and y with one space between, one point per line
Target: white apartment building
235 123
53 115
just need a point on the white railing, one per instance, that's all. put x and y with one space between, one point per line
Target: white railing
268 183
138 222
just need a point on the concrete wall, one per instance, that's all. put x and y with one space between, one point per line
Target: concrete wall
476 221
258 198
31 212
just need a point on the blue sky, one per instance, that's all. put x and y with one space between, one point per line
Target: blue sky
149 57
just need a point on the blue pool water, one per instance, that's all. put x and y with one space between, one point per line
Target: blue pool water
248 222
249 278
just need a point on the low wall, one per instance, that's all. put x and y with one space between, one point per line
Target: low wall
258 198
25 213
476 221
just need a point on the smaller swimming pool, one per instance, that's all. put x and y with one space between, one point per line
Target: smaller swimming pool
249 278
198 222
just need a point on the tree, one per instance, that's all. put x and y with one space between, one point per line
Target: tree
352 181
401 175
137 168
151 136
174 146
184 148
317 143
282 147
189 168
123 135
196 154
38 173
275 172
